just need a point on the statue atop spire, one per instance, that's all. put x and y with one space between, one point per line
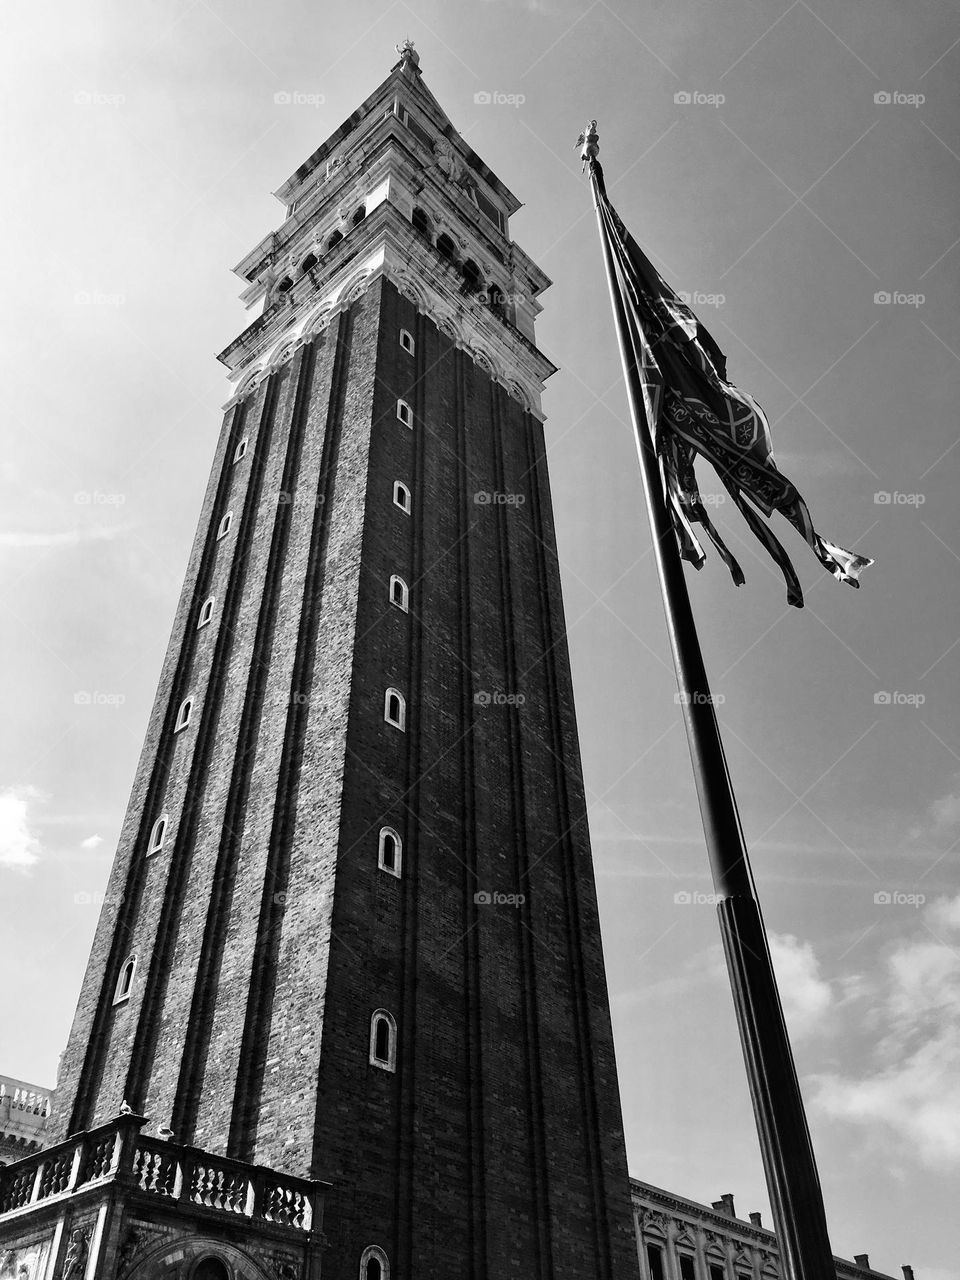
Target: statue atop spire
408 53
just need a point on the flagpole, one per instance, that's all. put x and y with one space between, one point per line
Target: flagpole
788 1159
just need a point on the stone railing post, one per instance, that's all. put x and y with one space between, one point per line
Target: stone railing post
125 1143
254 1206
79 1151
185 1163
37 1179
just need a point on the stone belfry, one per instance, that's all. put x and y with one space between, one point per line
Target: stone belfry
346 1012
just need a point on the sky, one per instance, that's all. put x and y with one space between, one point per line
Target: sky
792 166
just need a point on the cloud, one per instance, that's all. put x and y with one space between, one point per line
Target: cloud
910 1094
19 847
807 997
942 815
91 842
68 538
946 811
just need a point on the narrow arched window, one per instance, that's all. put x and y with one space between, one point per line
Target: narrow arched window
405 413
125 980
157 836
496 300
183 715
285 285
420 222
383 1040
223 528
395 709
472 279
399 593
241 450
374 1264
407 342
401 496
446 248
335 239
206 612
211 1269
390 852
359 216
309 262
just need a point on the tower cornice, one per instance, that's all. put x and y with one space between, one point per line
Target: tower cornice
318 205
385 245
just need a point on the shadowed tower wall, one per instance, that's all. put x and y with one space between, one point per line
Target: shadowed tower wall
377 519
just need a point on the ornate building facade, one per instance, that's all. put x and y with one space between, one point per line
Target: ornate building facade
679 1239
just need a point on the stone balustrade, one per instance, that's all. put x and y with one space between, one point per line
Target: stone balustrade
186 1175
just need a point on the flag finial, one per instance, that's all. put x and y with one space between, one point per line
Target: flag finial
589 144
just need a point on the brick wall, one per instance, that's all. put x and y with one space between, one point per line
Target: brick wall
266 934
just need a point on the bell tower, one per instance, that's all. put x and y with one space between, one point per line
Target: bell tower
346 1012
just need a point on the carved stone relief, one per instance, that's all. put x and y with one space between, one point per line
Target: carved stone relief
26 1262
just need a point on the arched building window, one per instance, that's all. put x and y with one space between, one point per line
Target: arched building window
125 980
206 612
390 853
472 279
421 222
383 1040
210 1268
157 836
496 300
309 262
374 1264
399 593
334 239
395 709
446 248
401 496
183 715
